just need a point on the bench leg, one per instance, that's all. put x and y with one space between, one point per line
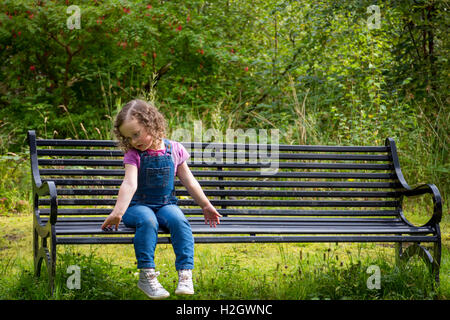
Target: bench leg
437 261
398 252
44 249
433 261
37 254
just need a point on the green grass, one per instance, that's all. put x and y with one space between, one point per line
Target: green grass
222 271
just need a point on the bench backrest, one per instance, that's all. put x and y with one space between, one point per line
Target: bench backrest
239 179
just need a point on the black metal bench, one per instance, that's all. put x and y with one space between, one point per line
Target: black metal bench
318 194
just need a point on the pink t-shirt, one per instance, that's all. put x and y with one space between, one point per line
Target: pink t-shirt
179 155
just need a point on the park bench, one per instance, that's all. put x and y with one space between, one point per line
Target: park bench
305 193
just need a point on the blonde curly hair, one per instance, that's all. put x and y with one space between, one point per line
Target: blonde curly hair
147 115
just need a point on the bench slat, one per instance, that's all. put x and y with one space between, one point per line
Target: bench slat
282 147
203 145
77 143
80 152
75 225
259 227
243 212
248 193
282 165
213 173
86 182
258 239
297 156
80 162
222 155
71 221
253 203
235 183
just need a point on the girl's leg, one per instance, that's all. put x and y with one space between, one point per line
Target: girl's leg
171 217
144 220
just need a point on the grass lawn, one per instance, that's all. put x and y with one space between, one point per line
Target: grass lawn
222 271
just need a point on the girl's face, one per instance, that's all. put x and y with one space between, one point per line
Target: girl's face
136 134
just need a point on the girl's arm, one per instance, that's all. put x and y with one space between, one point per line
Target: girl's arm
195 190
126 192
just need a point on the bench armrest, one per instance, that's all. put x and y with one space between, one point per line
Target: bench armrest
47 188
41 189
437 200
419 190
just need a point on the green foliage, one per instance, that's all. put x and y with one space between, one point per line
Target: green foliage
101 278
313 69
14 184
111 58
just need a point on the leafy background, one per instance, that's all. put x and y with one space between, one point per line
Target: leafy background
312 69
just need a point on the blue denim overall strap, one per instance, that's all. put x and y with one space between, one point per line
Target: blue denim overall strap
156 178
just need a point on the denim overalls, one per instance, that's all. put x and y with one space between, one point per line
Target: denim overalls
153 205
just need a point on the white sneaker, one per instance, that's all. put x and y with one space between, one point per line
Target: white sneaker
150 284
185 285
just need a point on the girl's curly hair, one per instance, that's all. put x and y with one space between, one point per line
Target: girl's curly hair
147 115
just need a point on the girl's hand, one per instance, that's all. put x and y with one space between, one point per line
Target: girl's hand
111 221
196 192
211 215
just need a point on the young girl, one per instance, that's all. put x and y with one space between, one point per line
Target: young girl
147 200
